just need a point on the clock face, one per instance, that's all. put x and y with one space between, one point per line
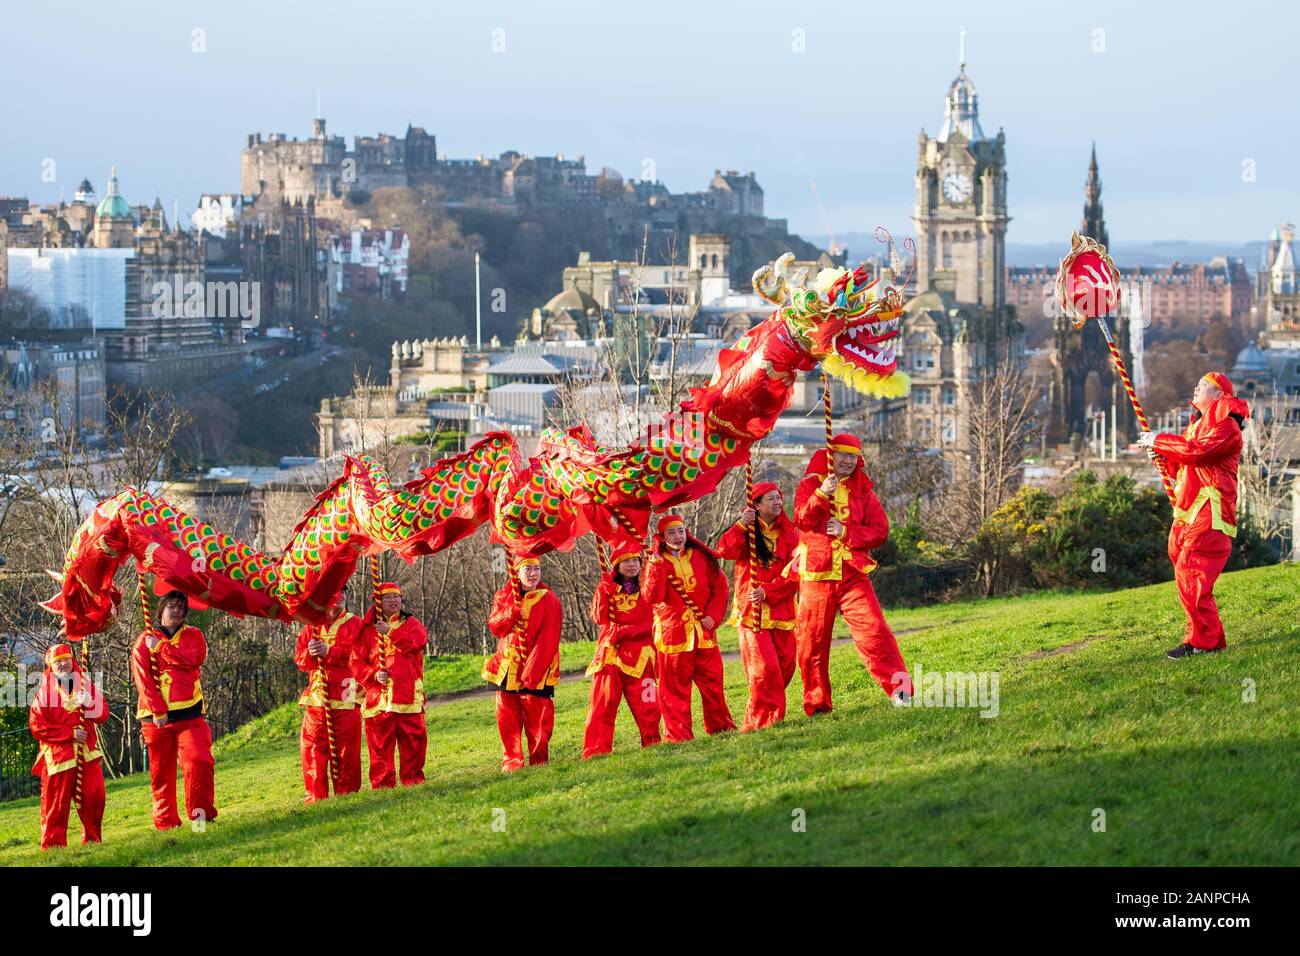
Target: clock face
956 187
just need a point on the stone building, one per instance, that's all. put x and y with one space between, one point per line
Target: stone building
114 222
76 369
1270 367
432 384
637 214
961 203
285 250
957 326
372 261
138 287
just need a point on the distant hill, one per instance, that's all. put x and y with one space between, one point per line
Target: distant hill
1154 252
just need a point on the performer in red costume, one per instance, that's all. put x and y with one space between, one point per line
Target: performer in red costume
526 665
165 663
688 591
623 667
331 720
840 520
62 718
1203 464
388 663
764 603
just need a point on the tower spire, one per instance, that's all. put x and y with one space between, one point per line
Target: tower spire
961 51
1094 223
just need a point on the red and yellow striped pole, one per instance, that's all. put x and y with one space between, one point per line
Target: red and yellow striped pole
755 609
147 613
81 748
826 401
324 683
1133 400
1088 285
376 579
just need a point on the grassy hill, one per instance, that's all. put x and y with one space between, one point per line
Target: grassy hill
1091 716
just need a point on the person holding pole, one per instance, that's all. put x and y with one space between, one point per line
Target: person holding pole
762 542
623 667
1203 461
166 663
685 585
840 520
527 618
69 763
330 741
388 663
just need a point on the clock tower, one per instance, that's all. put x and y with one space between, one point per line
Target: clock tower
961 204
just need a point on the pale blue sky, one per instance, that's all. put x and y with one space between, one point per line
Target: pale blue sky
1182 95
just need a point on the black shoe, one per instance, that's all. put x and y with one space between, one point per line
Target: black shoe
1186 650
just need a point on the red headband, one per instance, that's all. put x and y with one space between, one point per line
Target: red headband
1219 381
845 442
760 489
389 587
57 653
670 521
624 552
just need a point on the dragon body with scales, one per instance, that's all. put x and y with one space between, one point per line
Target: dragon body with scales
571 486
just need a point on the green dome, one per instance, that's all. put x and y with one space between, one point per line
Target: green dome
113 206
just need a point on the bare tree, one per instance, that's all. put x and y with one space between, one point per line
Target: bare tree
1003 419
1270 443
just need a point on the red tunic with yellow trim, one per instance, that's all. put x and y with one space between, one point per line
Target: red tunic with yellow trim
340 687
401 653
821 557
677 628
780 591
180 658
1204 461
55 713
527 659
626 623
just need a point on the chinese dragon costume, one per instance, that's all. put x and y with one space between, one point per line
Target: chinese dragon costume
842 320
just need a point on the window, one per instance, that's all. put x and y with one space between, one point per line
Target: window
922 396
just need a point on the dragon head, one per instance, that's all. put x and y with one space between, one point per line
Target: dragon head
845 321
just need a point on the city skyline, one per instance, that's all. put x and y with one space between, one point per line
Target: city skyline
1178 144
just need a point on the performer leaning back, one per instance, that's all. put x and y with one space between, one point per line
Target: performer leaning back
1204 467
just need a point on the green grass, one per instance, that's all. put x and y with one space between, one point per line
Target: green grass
1091 716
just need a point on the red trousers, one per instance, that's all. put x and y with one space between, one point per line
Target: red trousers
676 672
411 737
56 804
191 741
315 748
854 597
768 657
609 685
529 715
1198 553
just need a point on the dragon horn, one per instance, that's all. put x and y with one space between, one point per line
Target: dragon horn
770 280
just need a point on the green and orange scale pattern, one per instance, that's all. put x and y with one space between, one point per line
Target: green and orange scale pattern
217 551
540 505
364 503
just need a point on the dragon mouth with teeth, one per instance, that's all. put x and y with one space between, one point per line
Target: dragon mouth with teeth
844 320
868 346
